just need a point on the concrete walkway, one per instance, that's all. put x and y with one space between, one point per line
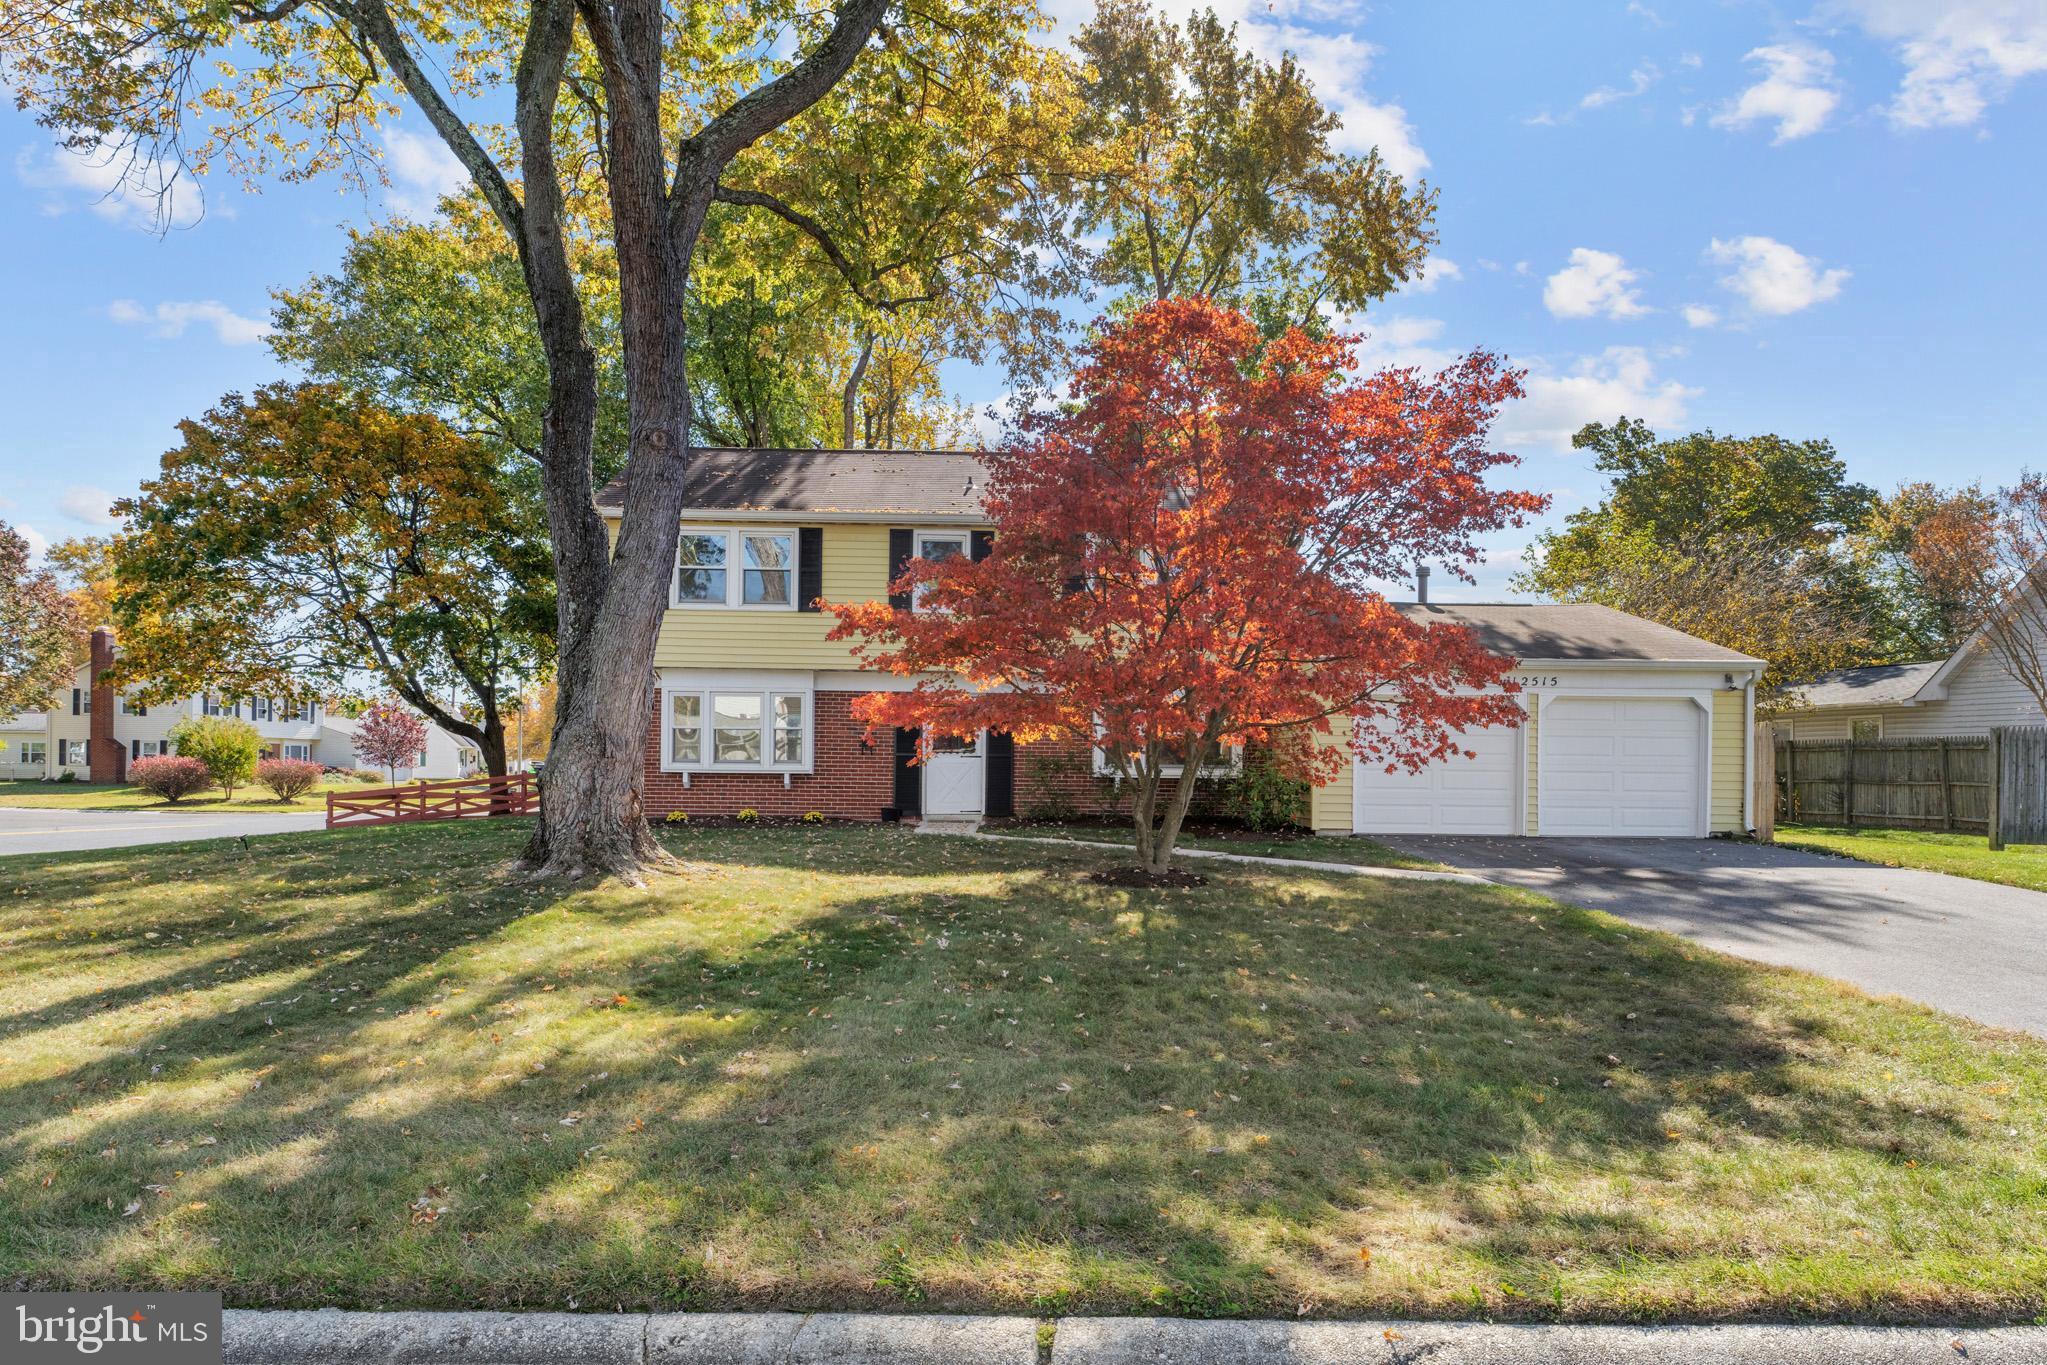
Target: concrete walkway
35 830
336 1338
1412 874
1973 948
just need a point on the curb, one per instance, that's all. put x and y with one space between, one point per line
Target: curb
332 1337
1401 874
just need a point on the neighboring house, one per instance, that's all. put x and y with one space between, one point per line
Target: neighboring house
1966 693
26 738
445 755
1632 728
94 733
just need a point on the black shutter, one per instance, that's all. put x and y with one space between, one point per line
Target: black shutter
809 567
134 749
909 781
899 550
74 701
1000 769
982 542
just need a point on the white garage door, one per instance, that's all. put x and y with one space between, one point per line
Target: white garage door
1620 767
1456 796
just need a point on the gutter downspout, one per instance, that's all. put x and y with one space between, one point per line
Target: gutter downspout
1748 766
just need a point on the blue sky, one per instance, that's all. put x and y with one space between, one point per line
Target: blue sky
1814 219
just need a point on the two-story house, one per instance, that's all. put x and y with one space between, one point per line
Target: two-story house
94 731
1631 728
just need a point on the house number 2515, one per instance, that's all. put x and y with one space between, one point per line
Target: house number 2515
1543 680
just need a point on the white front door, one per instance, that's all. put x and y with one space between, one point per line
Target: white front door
1458 795
1625 766
953 779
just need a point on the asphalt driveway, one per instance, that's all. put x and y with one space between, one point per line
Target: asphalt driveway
1972 948
62 831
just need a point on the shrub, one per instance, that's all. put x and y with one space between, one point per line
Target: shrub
813 817
1266 796
369 777
748 815
67 776
227 746
676 817
172 777
288 778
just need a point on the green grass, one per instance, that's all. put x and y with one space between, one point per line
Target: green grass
860 1068
1958 855
111 796
1354 849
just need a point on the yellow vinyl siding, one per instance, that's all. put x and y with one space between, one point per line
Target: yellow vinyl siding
855 570
1330 809
1730 761
1528 815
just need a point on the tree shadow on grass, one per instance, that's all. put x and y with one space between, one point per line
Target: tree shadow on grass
850 1068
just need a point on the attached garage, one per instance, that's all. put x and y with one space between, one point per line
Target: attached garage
1630 729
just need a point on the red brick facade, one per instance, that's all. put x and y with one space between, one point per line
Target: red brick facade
851 779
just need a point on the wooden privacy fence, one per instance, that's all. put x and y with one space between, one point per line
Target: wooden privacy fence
515 794
1897 783
1994 784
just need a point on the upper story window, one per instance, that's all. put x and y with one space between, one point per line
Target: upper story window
214 706
294 711
735 567
123 706
937 547
261 708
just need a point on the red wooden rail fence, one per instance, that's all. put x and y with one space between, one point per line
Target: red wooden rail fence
515 794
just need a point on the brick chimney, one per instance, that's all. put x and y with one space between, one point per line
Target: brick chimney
106 760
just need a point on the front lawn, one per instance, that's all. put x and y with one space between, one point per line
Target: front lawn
1353 849
1958 855
859 1068
111 796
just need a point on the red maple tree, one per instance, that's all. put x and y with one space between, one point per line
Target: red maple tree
1184 558
391 735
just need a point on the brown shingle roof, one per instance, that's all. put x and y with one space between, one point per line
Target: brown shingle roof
908 483
1574 631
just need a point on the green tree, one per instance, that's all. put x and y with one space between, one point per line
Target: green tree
229 748
1927 612
1212 172
636 105
305 538
39 629
1739 540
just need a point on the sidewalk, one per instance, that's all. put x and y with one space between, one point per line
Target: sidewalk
330 1337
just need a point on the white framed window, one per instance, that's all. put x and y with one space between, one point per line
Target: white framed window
34 751
729 566
294 711
737 727
261 708
937 547
125 707
302 752
1228 761
70 752
1864 729
213 706
145 748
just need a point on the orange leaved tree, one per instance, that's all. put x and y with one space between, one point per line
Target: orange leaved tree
1184 557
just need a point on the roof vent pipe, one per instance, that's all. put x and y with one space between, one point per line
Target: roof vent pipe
1421 583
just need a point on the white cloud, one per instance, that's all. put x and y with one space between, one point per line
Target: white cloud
170 319
1700 315
1639 81
132 191
38 543
1959 55
422 172
1621 381
88 506
1798 92
1773 278
1435 271
1595 282
1337 63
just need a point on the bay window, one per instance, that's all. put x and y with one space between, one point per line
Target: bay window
746 726
705 561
